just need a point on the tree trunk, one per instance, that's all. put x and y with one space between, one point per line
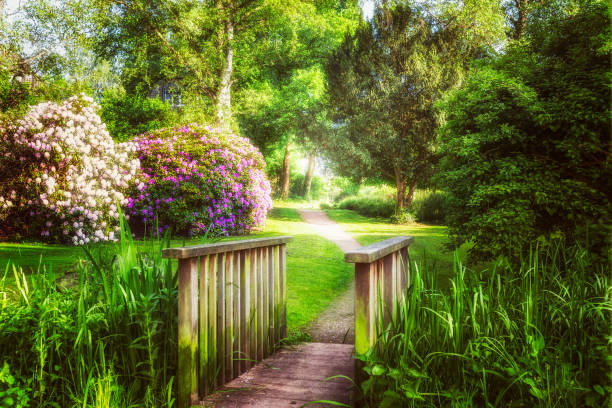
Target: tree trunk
224 112
286 174
400 184
410 194
521 19
309 174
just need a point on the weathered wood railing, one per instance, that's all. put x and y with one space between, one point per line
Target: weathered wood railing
232 310
381 275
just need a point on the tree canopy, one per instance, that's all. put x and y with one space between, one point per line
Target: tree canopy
383 82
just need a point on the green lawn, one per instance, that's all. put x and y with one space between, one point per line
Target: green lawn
316 272
429 240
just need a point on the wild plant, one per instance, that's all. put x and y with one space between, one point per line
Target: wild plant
533 335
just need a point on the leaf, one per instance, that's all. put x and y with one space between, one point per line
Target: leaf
378 370
599 389
391 399
335 403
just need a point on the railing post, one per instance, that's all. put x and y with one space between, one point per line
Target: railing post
232 309
381 275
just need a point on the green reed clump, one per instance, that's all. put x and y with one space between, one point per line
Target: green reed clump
534 335
108 341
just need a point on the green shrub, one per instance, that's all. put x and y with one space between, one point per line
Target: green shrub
378 207
431 207
129 115
527 140
535 335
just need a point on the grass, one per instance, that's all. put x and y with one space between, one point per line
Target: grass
528 335
429 240
316 272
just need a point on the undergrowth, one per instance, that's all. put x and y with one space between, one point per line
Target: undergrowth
108 341
530 336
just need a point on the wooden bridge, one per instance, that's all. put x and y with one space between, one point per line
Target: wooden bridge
233 318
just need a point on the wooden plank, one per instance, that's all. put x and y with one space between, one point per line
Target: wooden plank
229 315
203 329
212 321
187 332
245 306
363 300
377 250
221 247
221 350
282 265
265 302
277 294
292 377
253 311
271 325
405 267
237 322
390 287
260 321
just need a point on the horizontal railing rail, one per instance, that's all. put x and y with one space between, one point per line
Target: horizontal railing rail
381 276
232 310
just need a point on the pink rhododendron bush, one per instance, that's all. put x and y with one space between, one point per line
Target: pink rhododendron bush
63 175
198 180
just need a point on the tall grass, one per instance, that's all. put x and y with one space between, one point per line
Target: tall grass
537 335
108 340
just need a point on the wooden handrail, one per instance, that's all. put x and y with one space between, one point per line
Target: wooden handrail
381 275
232 310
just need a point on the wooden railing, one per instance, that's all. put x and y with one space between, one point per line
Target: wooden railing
232 310
381 275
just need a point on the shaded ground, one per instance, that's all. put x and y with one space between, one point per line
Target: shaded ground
336 323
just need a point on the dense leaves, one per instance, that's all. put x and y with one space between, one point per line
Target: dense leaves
527 141
383 82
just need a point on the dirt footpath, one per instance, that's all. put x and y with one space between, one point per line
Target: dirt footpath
336 323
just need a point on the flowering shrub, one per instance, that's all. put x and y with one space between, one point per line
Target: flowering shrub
198 180
62 174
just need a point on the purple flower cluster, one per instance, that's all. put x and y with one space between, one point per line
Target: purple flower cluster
199 180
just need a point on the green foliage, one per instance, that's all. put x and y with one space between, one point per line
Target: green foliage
527 141
126 116
383 82
532 336
430 207
109 339
296 187
376 207
12 393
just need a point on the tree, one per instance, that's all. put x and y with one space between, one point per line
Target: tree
283 104
383 83
197 44
527 140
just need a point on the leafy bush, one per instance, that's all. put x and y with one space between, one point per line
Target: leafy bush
63 174
129 115
527 141
430 207
381 207
535 336
107 340
198 181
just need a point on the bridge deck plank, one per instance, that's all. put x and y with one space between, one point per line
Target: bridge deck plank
291 378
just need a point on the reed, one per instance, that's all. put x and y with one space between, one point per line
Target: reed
535 335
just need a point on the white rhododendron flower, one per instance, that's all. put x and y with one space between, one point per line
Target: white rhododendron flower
62 164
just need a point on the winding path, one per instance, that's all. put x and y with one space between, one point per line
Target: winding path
336 323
